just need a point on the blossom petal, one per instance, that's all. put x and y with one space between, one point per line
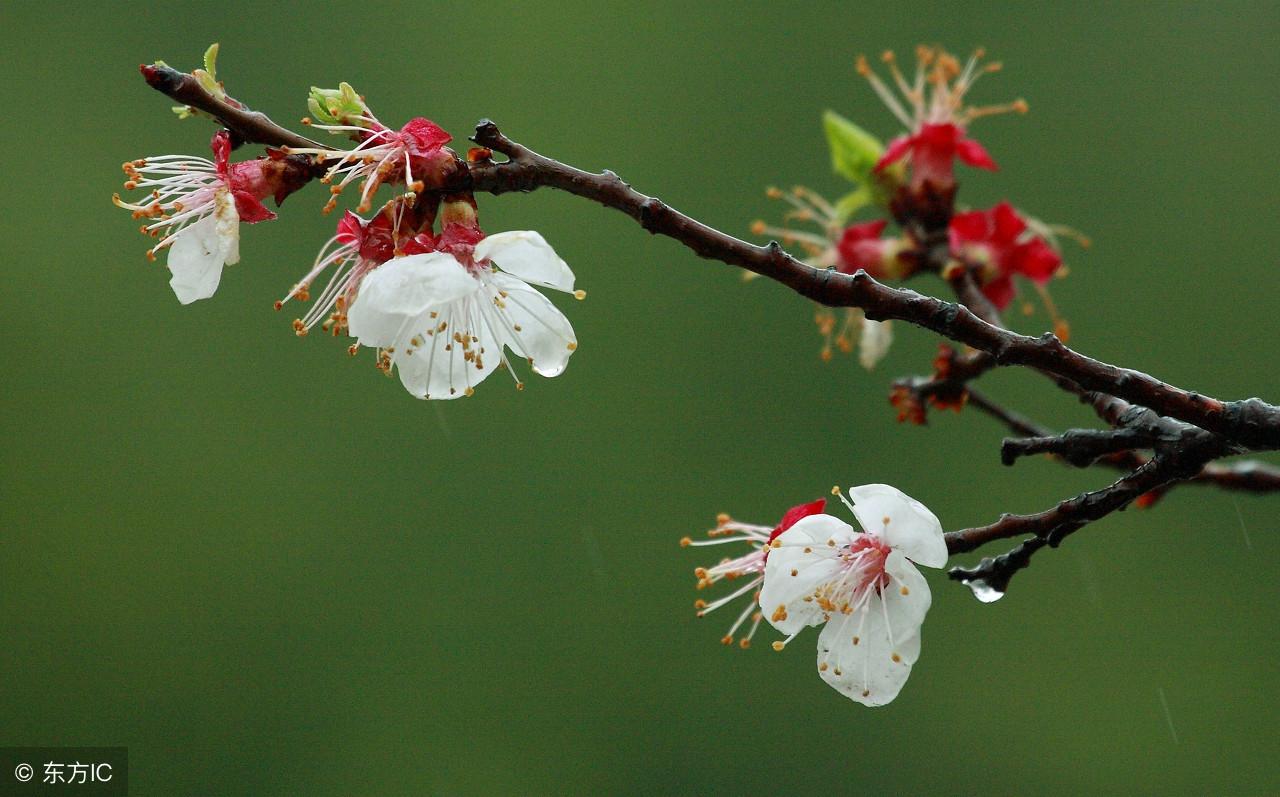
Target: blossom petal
445 353
807 555
399 291
196 258
906 597
529 324
860 656
527 255
226 217
902 522
874 343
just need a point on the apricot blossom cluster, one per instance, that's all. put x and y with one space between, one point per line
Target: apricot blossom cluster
443 306
911 183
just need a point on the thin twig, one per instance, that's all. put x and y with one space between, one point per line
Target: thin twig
1079 447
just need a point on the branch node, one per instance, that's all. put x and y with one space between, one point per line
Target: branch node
649 210
989 579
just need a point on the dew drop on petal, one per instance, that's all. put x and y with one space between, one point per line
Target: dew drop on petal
983 591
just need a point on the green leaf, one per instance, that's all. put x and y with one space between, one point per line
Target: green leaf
208 79
854 151
211 61
340 106
851 203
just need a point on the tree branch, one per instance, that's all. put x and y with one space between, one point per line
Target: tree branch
1071 514
1248 475
1053 525
1017 423
1244 476
1205 428
1080 447
1249 422
246 125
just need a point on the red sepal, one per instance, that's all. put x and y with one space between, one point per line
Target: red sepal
250 208
424 136
1000 291
1038 261
974 154
896 151
377 243
1000 233
860 247
420 244
350 229
221 146
797 513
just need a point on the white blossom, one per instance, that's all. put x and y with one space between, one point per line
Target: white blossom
442 322
862 587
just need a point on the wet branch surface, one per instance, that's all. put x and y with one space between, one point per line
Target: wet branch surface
1252 423
1184 430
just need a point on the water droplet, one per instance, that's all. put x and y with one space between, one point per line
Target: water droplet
983 591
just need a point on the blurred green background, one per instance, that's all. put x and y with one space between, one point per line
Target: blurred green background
267 570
